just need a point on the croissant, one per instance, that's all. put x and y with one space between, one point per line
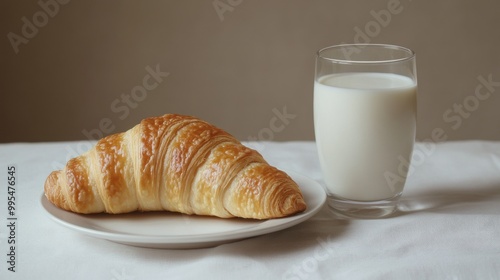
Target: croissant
174 163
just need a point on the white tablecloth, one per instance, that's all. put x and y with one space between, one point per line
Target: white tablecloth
448 227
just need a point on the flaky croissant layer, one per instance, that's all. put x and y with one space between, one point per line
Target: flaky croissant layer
174 163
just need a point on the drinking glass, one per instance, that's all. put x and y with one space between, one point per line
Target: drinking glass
365 99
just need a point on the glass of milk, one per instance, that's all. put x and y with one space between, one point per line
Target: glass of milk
365 99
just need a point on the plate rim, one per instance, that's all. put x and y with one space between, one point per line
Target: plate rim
261 228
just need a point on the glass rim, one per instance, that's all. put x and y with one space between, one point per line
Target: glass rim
411 54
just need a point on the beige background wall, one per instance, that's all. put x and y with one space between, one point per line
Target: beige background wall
236 63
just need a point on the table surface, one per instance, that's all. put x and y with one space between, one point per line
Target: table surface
448 226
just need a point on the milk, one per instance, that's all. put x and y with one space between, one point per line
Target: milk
363 123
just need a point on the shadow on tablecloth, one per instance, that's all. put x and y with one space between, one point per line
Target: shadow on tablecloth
472 199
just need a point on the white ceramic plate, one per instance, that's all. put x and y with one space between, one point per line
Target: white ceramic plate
178 231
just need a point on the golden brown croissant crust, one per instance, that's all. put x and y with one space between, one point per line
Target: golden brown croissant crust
174 163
